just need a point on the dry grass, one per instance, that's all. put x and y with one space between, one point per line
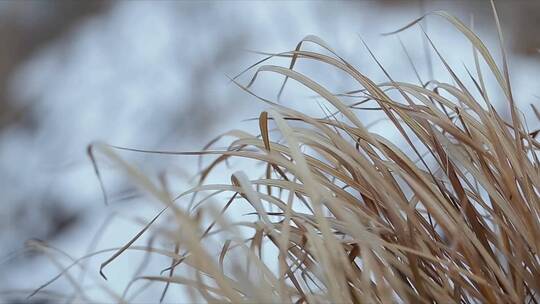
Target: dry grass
451 218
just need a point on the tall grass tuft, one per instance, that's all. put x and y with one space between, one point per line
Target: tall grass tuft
343 214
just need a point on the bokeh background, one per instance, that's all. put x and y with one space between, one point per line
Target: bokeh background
154 75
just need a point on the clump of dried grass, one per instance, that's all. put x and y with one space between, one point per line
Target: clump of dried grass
355 218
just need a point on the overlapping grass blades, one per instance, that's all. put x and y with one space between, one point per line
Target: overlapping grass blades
354 217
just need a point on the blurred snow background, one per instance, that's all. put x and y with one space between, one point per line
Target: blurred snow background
153 75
